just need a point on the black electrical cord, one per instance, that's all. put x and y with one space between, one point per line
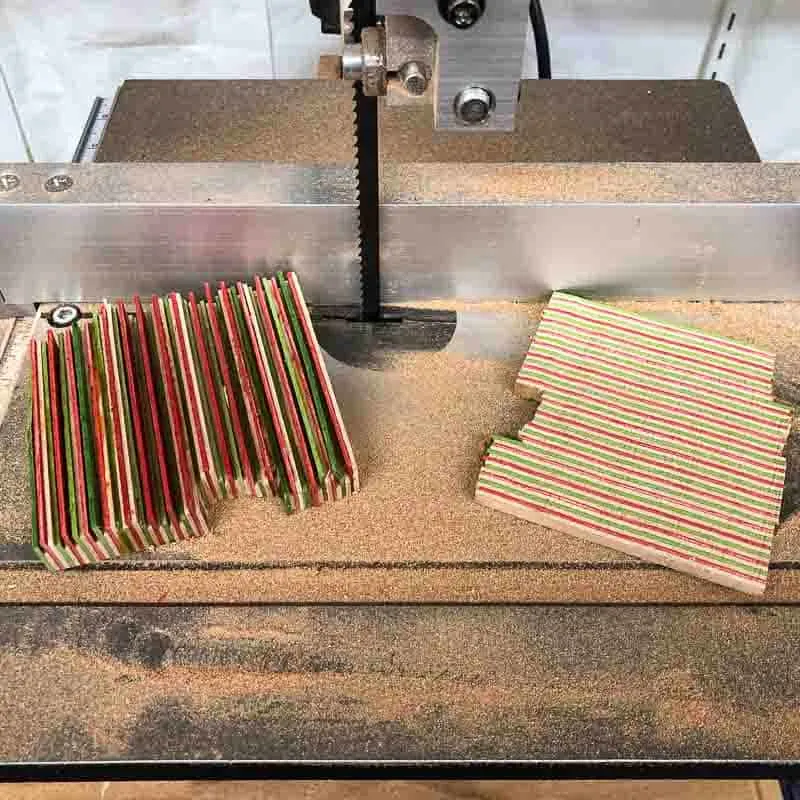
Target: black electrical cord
540 37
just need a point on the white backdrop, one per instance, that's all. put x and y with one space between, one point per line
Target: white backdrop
57 55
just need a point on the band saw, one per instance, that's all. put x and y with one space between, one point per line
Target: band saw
428 197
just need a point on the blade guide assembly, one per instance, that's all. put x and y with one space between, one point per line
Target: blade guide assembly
656 440
145 417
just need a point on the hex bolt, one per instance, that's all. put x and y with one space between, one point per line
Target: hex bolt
412 76
462 14
58 183
9 181
474 105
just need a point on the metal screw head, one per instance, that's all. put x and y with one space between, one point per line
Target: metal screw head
463 13
9 181
412 76
474 105
58 183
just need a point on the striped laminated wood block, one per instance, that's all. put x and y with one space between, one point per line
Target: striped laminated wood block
143 418
684 474
585 420
653 439
598 331
644 523
342 471
657 404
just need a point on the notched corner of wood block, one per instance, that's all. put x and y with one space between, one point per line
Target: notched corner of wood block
527 392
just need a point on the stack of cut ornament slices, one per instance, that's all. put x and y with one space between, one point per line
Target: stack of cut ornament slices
144 416
653 439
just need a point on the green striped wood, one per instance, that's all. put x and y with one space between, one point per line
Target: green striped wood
658 440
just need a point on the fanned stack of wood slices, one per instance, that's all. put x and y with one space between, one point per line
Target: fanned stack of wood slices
145 416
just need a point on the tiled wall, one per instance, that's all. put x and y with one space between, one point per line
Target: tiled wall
57 55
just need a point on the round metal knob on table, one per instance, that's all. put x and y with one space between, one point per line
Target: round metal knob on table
474 105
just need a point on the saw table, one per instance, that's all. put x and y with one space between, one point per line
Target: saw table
407 624
407 629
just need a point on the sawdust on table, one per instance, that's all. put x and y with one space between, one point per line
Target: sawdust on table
477 676
418 430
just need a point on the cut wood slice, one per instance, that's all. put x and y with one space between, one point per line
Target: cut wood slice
208 391
137 519
269 398
81 531
57 454
94 368
91 476
253 417
340 451
49 438
165 477
240 446
198 427
190 513
148 519
115 397
43 540
289 365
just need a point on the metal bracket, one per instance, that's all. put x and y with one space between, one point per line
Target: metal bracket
482 60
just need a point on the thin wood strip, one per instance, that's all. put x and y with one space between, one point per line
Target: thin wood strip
290 366
136 418
211 393
54 427
322 374
262 451
273 402
158 443
79 468
188 377
119 432
53 558
177 430
101 440
222 359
